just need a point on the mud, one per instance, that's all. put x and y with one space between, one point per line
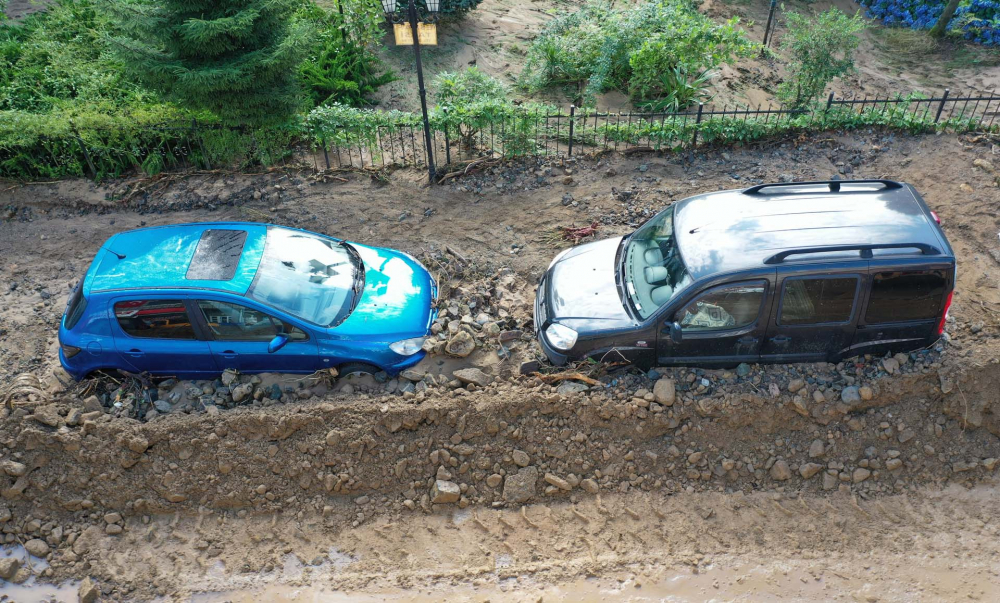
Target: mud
613 492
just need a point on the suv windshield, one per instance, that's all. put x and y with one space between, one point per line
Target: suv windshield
312 278
653 270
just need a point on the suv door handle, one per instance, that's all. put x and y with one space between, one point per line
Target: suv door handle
781 339
136 353
746 340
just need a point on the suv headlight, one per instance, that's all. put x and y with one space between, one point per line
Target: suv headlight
561 337
407 347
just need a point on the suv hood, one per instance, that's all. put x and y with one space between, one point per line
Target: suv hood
396 301
580 288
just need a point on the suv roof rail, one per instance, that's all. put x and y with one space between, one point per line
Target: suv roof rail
834 185
864 249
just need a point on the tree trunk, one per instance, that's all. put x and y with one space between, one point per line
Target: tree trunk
942 24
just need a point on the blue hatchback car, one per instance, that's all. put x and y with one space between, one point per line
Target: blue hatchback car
192 300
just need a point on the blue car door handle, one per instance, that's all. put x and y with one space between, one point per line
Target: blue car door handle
229 354
136 353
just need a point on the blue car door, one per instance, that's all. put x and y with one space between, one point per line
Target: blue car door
156 335
241 333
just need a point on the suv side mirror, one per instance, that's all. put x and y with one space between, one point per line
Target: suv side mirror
277 343
675 332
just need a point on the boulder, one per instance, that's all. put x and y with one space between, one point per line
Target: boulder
473 375
665 392
461 345
9 567
520 487
780 471
443 492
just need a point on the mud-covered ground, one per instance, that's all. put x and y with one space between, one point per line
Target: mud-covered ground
871 479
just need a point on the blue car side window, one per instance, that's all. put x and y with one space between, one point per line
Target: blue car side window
154 319
233 322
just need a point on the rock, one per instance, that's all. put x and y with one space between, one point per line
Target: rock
445 492
48 415
558 482
665 392
228 376
893 464
567 388
860 474
817 449
590 486
521 458
743 369
461 345
830 481
275 393
138 444
850 395
162 406
242 392
808 470
88 591
333 438
113 518
37 547
113 529
866 393
473 375
529 367
9 567
800 406
520 487
494 480
818 397
962 466
906 435
796 384
890 365
92 404
984 165
14 468
412 375
990 463
780 471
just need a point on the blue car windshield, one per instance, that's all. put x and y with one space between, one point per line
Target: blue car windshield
309 277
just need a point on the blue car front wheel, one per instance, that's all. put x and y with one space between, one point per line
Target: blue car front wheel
358 368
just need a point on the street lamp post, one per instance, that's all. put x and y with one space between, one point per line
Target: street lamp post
389 6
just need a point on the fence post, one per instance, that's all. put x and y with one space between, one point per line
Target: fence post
201 145
697 122
770 19
83 147
829 102
447 142
572 113
944 98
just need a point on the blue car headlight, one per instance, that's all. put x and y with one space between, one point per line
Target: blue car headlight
407 347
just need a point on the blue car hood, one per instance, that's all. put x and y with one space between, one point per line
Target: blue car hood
396 301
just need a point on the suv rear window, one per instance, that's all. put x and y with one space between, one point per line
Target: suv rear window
75 306
911 295
809 301
154 318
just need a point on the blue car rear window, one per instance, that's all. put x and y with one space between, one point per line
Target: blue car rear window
217 255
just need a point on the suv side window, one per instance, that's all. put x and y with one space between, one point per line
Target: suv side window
817 300
154 319
906 295
233 322
724 307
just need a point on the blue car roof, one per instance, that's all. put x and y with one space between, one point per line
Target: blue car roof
161 256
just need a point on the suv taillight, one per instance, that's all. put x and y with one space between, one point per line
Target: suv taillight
944 315
936 217
69 351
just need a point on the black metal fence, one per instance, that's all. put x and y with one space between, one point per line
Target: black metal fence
577 131
512 132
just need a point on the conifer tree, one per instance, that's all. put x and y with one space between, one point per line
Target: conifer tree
235 58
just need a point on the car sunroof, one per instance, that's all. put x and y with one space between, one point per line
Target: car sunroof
217 256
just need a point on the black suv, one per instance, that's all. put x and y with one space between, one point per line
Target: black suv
791 272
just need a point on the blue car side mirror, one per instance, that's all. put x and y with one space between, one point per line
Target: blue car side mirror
277 343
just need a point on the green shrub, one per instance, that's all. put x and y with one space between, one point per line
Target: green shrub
465 87
341 68
632 48
819 50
